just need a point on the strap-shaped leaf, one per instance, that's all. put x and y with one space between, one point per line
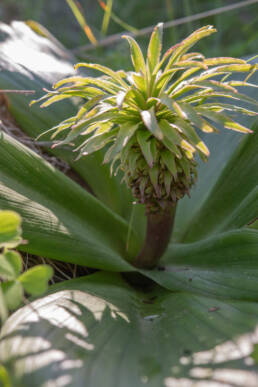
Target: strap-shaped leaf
224 120
195 119
204 94
162 81
223 60
189 42
244 214
242 83
136 55
97 142
60 219
224 265
60 97
77 81
170 132
237 181
155 47
216 106
82 126
224 69
217 85
191 63
68 80
172 147
186 74
125 133
193 56
183 126
190 133
116 76
151 123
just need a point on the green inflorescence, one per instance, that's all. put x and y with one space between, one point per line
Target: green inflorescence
147 119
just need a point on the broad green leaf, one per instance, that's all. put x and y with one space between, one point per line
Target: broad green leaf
35 280
10 265
60 219
37 63
230 195
224 265
151 123
244 214
13 293
155 47
100 330
10 230
136 55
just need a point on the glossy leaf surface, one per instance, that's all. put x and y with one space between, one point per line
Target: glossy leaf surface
60 219
98 329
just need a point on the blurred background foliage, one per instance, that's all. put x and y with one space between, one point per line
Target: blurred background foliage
237 29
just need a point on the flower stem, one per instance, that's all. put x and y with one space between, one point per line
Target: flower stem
159 228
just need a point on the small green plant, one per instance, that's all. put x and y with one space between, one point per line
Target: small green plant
147 120
13 283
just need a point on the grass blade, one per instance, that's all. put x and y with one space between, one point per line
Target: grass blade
75 7
117 20
106 17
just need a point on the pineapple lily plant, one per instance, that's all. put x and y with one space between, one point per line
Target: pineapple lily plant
195 324
148 121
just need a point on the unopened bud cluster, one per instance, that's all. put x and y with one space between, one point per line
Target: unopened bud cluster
156 186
